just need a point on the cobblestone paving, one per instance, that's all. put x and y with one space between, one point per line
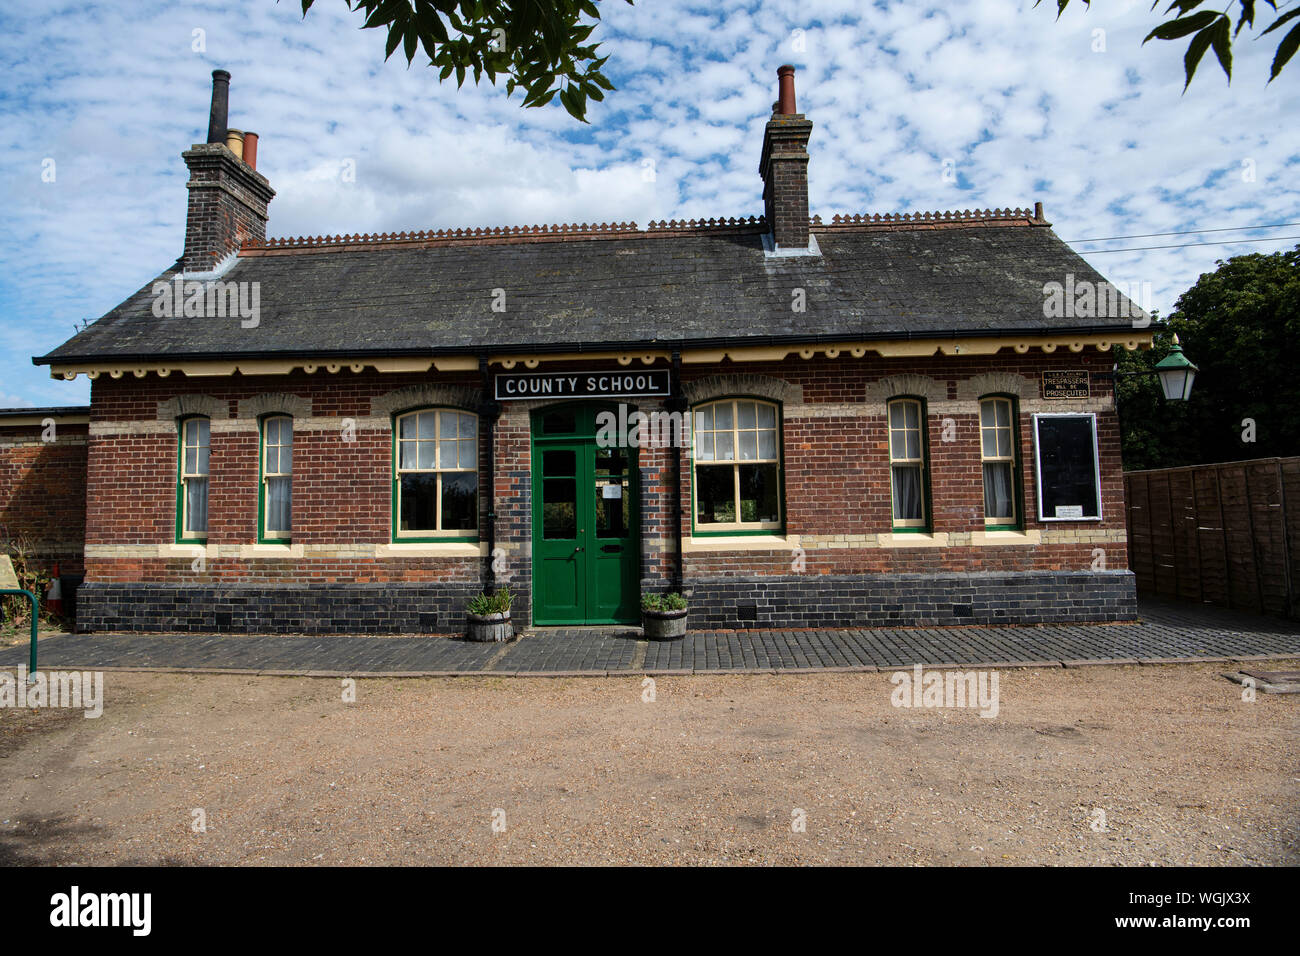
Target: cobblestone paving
1167 631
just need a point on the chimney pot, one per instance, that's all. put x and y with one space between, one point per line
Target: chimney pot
785 83
235 142
250 149
218 116
784 168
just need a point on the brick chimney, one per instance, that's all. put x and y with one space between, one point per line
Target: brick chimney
228 197
784 168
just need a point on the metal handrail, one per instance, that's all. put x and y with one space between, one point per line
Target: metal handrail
31 668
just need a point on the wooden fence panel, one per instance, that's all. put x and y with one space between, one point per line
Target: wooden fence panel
1226 534
1211 538
1186 562
1164 571
1240 524
1136 495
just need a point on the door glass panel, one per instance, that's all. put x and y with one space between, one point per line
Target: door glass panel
611 508
559 463
610 461
611 493
561 422
559 506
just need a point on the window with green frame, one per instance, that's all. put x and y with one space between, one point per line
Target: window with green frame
275 508
736 466
192 479
435 475
909 487
998 444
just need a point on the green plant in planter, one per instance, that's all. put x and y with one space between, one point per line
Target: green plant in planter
662 603
485 604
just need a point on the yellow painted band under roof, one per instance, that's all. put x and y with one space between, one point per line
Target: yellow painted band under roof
889 348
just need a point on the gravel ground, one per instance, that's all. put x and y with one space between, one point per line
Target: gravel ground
712 771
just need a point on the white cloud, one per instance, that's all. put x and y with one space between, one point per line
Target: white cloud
1021 102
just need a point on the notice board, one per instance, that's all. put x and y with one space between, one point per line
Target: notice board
1069 479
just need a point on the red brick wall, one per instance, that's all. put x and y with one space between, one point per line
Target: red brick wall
341 489
43 491
836 474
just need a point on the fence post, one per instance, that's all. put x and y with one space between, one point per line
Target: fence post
1286 542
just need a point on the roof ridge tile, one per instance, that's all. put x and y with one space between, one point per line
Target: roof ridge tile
839 221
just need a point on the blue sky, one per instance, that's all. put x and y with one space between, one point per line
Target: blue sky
1021 107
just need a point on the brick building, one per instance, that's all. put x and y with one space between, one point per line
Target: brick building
43 488
356 433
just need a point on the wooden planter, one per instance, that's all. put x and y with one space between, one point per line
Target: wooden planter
664 625
489 627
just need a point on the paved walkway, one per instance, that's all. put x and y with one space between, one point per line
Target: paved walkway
1167 633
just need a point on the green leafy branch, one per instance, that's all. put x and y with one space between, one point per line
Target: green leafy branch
539 46
1214 29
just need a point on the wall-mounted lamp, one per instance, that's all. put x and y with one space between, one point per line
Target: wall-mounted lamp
1175 372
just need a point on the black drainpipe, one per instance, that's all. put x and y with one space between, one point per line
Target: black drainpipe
489 410
676 403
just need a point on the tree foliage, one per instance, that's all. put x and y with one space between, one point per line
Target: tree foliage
539 46
1214 29
1241 325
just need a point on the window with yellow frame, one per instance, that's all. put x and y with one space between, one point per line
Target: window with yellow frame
736 466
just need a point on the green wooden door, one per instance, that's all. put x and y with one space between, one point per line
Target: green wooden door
585 559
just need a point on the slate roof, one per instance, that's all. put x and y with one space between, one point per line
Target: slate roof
617 289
